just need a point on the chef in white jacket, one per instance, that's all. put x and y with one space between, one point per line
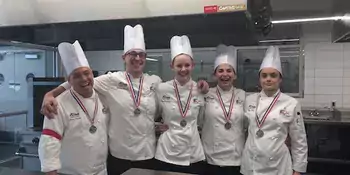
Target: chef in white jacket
132 103
223 130
272 116
75 141
179 148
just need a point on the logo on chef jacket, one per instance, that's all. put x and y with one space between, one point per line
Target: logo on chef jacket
239 101
251 107
105 109
284 112
74 116
208 99
196 100
122 85
166 98
153 87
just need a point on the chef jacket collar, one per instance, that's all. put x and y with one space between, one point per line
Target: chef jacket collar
132 78
188 84
81 97
225 92
262 93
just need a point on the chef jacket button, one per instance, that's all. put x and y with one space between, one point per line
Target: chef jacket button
271 158
216 107
174 127
216 144
216 125
173 107
103 141
98 120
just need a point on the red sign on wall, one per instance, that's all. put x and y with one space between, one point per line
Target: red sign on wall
211 9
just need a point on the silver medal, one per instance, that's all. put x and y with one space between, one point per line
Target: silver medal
259 133
228 125
92 129
183 123
137 111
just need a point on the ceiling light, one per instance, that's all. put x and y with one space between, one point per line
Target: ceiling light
151 59
333 18
279 40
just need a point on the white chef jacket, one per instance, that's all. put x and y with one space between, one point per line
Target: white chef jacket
223 147
269 154
67 145
180 145
131 137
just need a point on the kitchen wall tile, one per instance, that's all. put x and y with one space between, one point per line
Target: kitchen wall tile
329 55
346 90
309 64
328 81
338 47
346 101
309 73
346 81
346 73
309 86
329 73
346 63
329 64
322 101
328 90
307 101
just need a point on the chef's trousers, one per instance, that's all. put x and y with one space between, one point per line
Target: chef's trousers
194 168
116 166
221 170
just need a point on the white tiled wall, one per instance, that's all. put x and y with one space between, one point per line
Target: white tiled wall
327 75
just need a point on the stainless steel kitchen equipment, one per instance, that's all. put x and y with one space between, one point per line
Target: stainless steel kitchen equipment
30 137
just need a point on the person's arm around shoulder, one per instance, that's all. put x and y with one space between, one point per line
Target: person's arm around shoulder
299 148
104 83
50 143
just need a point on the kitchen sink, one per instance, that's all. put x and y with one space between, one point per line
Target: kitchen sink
322 114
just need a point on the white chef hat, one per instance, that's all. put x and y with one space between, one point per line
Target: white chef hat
272 59
226 55
180 45
134 38
72 56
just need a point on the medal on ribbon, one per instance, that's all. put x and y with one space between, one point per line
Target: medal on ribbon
260 133
183 111
136 97
228 113
92 128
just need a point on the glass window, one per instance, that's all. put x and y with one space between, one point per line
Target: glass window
249 60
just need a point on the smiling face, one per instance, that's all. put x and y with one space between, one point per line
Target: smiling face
82 80
225 75
270 79
182 66
135 61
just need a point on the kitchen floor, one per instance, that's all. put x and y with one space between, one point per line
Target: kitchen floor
7 155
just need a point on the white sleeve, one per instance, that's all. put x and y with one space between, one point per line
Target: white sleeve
50 142
103 83
65 85
299 148
49 153
201 115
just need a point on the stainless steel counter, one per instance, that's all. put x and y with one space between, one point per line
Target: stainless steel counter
343 121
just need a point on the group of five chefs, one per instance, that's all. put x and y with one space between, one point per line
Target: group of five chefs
88 117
